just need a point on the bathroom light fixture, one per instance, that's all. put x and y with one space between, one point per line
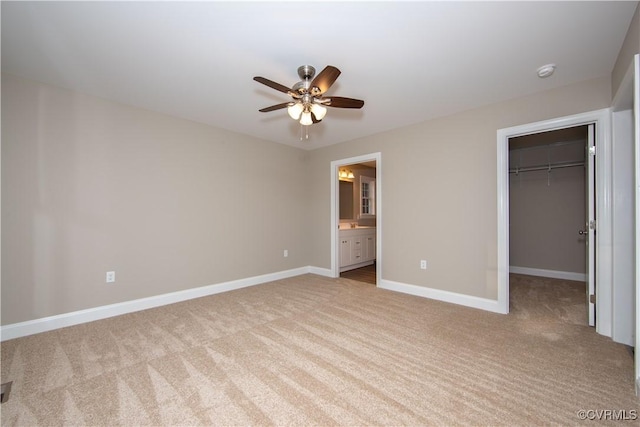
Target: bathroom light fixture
546 70
346 175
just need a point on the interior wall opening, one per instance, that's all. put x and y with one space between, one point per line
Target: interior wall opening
548 261
358 221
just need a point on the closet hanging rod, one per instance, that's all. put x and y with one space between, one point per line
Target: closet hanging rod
549 146
546 167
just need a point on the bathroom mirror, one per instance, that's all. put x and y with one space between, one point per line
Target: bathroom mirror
346 200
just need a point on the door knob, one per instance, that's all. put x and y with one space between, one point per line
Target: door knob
583 232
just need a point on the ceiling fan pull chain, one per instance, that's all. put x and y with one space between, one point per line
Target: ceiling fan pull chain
304 130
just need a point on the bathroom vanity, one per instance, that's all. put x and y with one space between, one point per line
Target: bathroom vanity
357 247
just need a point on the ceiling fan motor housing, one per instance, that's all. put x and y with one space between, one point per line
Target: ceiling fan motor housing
301 87
306 72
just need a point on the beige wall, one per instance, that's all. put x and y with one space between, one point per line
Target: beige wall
439 189
90 186
630 47
547 210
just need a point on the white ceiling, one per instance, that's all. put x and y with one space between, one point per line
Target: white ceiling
409 61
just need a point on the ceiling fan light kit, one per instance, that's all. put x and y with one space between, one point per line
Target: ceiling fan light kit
295 110
305 118
319 111
308 104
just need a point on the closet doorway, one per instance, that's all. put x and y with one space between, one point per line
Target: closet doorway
603 246
552 221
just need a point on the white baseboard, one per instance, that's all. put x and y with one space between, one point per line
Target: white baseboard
440 295
565 275
30 327
320 271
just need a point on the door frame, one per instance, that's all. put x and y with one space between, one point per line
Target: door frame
335 214
635 84
590 227
602 120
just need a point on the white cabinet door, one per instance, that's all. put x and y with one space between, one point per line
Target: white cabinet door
357 250
370 247
345 251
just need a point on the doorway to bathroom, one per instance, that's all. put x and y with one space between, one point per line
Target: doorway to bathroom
356 218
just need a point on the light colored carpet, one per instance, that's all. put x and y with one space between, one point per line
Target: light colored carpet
316 351
544 299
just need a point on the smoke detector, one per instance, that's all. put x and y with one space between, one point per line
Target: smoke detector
546 70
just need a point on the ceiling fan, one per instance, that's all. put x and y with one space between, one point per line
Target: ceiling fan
308 103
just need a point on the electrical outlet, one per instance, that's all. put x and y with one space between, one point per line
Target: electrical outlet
111 276
286 253
423 264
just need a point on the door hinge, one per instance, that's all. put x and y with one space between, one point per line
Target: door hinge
592 299
592 150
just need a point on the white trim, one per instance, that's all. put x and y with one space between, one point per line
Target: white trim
326 272
503 220
554 274
636 148
602 119
440 295
30 327
335 215
623 307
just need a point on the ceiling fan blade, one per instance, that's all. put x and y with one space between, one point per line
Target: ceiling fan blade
272 84
324 80
274 107
342 102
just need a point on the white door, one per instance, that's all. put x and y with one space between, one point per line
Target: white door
589 230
